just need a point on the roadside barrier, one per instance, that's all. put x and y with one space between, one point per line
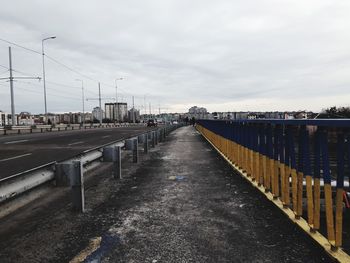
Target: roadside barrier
291 161
18 129
70 173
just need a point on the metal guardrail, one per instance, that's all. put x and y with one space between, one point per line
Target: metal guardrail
17 184
283 155
18 129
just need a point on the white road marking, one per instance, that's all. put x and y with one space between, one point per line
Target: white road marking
75 143
15 157
106 136
12 142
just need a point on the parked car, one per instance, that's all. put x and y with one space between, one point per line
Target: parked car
151 123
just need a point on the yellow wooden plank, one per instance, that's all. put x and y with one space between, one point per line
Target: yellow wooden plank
300 194
329 211
310 200
295 191
339 254
317 192
339 218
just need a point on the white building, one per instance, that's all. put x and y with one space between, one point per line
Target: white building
25 118
121 111
98 113
198 112
3 118
110 111
134 115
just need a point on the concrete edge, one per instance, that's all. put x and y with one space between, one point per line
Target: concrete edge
340 255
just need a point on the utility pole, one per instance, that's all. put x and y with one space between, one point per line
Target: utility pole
44 79
11 78
82 93
116 99
99 101
83 98
150 111
133 110
13 117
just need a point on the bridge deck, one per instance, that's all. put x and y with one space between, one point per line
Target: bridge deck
182 204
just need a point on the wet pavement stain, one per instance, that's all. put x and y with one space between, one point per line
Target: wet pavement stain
108 242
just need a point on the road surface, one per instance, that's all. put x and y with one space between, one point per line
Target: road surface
19 153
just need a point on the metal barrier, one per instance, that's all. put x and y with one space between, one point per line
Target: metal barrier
66 174
60 127
291 160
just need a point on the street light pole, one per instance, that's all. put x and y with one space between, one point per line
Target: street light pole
13 115
43 55
82 94
116 99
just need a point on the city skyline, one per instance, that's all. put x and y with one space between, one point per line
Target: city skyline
227 56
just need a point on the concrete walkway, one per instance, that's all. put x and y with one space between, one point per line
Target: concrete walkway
183 204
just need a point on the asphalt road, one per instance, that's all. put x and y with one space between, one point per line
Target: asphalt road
19 153
181 203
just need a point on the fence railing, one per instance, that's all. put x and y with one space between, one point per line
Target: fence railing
294 160
16 185
18 129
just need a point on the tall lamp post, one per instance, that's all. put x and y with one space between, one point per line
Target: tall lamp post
43 54
116 99
82 94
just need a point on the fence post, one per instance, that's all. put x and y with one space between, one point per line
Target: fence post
71 174
135 153
145 143
153 139
113 154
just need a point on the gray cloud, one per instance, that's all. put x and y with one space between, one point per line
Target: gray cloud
224 55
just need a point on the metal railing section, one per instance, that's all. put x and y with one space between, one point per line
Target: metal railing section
292 160
17 184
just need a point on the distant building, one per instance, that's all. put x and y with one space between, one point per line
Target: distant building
98 113
3 118
25 118
121 112
110 111
197 112
134 115
116 111
302 115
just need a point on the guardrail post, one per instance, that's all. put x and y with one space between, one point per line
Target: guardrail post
128 144
153 139
145 143
156 136
141 138
113 154
71 174
135 153
159 135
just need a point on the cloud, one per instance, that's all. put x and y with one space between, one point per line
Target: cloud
221 55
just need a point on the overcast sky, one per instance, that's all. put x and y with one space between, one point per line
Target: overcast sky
223 55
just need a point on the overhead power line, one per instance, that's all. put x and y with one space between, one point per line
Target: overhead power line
69 68
17 45
4 66
56 61
3 72
56 90
38 92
